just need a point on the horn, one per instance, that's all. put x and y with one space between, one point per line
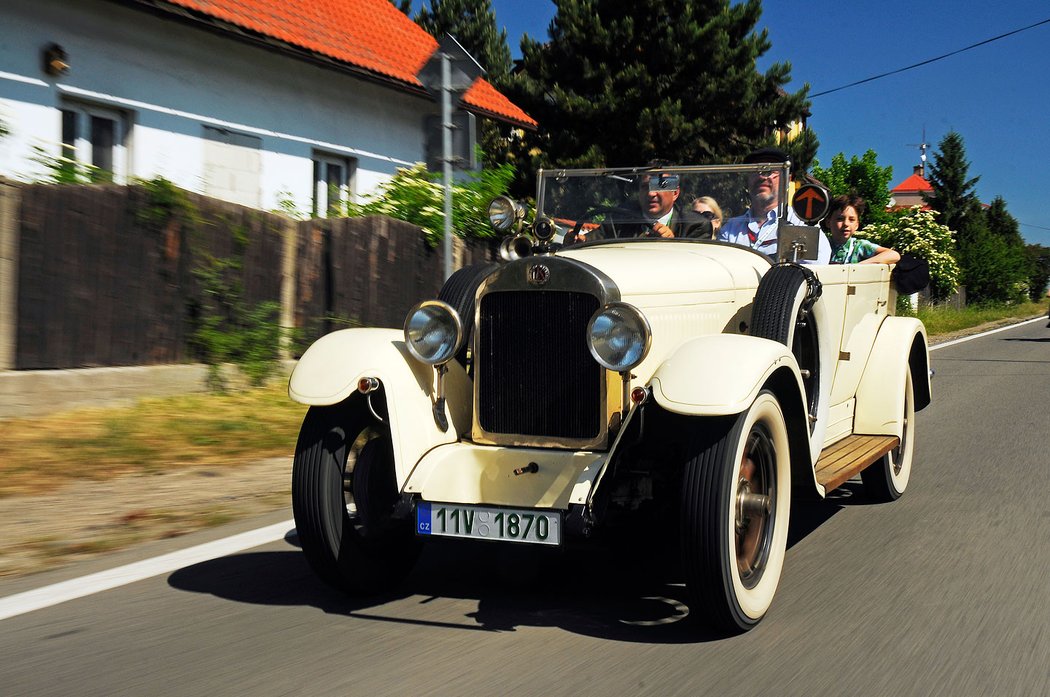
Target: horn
515 247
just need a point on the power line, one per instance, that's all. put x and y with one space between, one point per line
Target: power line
1037 227
931 60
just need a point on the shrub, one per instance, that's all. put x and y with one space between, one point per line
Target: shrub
417 196
916 232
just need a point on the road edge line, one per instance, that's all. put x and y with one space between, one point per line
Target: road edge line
953 342
56 593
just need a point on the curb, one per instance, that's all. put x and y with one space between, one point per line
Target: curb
26 393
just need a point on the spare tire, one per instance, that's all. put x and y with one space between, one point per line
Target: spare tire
786 310
459 291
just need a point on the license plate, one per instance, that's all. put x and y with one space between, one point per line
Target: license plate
484 523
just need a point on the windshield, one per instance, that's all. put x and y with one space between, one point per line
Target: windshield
654 202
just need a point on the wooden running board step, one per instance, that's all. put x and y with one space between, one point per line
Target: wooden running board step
849 456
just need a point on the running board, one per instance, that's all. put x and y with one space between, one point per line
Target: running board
849 456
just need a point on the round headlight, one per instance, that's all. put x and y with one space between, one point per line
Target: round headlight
504 212
544 229
433 332
619 336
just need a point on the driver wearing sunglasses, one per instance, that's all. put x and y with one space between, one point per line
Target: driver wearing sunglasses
757 227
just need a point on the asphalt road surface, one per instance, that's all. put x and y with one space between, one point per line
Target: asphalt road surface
945 592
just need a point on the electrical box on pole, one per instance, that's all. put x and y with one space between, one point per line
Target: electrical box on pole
464 141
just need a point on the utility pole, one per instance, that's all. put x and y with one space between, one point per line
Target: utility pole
450 71
446 152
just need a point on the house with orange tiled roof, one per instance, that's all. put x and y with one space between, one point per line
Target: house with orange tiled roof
910 191
259 102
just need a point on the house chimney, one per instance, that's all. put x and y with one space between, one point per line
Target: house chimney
920 170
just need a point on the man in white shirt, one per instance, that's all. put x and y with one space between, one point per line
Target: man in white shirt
757 227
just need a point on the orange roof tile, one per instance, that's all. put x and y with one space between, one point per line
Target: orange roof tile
913 183
372 35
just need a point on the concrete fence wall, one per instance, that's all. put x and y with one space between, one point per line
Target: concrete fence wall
99 275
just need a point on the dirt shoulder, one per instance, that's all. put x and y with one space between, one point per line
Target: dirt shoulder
88 518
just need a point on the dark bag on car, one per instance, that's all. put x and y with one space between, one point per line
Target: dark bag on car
911 274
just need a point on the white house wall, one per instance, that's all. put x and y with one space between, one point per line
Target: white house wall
174 80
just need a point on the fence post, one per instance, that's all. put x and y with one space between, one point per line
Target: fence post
459 250
289 232
10 207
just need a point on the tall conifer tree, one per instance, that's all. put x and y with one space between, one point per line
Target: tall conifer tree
1002 223
473 24
622 82
953 195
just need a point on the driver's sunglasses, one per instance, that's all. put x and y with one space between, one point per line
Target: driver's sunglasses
767 173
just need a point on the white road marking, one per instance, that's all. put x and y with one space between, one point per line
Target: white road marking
990 331
72 589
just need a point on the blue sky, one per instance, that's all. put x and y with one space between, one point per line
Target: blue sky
997 96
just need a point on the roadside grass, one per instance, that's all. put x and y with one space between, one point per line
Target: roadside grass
946 320
155 436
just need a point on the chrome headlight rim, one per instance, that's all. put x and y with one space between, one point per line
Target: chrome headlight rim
427 312
626 315
504 212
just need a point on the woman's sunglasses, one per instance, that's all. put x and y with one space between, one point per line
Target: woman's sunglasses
710 215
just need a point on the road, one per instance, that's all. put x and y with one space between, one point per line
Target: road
945 592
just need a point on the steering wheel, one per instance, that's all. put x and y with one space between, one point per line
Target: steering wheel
608 225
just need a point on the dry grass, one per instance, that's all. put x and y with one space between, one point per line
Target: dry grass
156 436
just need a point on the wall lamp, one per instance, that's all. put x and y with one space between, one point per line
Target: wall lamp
56 62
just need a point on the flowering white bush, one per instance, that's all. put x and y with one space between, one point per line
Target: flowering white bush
916 232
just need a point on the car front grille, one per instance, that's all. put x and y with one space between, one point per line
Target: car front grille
535 374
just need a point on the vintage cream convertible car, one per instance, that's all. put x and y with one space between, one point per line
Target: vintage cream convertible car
687 384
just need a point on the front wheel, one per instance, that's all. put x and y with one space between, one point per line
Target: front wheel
736 502
887 479
344 495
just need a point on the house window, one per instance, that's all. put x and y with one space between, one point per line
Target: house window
333 180
232 166
95 137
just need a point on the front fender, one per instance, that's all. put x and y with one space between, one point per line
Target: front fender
330 369
719 374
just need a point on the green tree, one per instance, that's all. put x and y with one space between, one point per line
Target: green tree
1039 271
993 271
861 176
1002 224
953 195
473 24
623 82
403 5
